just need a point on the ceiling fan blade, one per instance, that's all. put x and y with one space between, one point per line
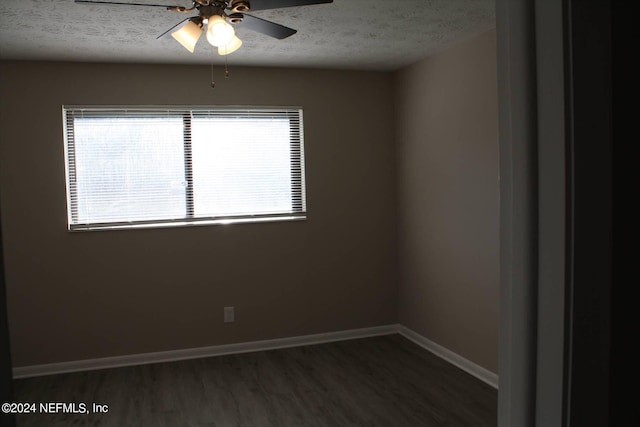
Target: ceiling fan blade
277 4
174 28
265 27
125 4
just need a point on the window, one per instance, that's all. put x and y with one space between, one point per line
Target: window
149 167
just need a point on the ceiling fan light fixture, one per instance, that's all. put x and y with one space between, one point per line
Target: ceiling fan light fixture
219 32
231 47
188 35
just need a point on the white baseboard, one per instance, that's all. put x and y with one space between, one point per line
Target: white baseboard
247 347
194 353
451 357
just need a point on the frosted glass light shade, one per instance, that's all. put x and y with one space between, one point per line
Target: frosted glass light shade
219 31
233 45
188 35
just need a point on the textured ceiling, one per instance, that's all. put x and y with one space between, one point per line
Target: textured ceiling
345 34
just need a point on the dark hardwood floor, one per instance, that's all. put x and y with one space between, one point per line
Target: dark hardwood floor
380 381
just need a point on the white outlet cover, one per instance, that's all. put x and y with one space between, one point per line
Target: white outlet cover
229 314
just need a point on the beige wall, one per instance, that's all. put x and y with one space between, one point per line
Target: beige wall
449 199
74 296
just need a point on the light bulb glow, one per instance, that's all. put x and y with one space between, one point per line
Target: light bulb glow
219 31
231 47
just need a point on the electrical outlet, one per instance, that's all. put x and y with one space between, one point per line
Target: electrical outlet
229 314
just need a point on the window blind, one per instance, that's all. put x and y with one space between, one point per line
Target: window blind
142 167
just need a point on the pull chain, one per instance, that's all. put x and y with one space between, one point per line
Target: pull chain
213 84
226 69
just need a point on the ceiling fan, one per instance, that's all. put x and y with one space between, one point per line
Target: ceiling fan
220 16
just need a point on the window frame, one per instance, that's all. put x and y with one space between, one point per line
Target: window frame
296 169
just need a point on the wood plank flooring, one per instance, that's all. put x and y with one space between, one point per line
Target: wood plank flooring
380 381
